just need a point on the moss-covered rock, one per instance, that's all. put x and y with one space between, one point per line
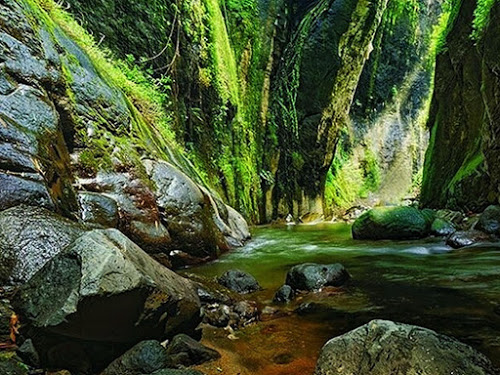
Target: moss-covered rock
393 223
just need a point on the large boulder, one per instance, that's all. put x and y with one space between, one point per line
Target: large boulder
144 358
383 347
311 276
186 210
29 238
393 223
239 281
104 288
489 221
139 216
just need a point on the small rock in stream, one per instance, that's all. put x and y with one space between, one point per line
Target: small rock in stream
284 294
185 351
312 277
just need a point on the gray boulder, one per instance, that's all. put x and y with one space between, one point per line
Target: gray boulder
311 276
104 288
29 238
144 358
239 281
187 210
383 347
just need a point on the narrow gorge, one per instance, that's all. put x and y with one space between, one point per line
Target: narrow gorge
249 187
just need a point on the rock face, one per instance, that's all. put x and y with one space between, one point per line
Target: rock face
144 358
239 281
393 223
462 163
29 238
383 347
104 288
312 277
184 351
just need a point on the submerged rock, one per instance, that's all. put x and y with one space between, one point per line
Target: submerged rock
144 358
29 238
383 347
185 351
489 221
393 223
239 281
104 288
466 238
311 276
284 294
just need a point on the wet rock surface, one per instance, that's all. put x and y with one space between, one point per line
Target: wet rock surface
144 358
284 294
239 281
29 238
383 347
467 238
184 351
311 276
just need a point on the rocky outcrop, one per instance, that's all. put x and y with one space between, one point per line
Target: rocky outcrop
461 168
383 347
104 288
393 223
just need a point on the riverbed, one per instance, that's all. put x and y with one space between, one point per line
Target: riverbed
455 292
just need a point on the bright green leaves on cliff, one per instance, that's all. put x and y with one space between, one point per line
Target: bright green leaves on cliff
481 17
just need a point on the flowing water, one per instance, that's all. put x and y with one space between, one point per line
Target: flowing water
455 292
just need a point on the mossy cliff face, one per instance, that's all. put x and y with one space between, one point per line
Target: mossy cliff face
462 163
328 45
258 89
380 154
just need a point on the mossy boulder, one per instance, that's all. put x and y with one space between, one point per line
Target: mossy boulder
393 223
441 227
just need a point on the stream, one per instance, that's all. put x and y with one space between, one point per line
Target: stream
455 292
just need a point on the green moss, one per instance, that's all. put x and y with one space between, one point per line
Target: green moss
481 17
